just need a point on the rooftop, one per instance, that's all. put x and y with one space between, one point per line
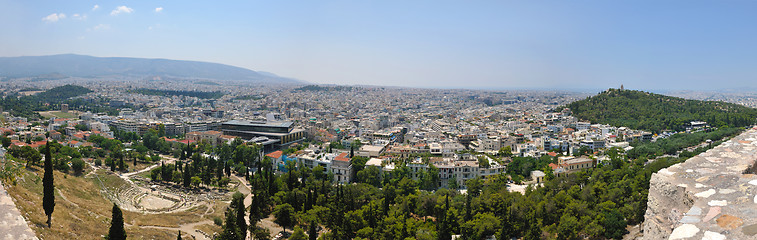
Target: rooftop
260 123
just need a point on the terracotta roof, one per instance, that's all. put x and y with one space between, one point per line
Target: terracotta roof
553 154
38 144
553 166
228 136
276 154
342 157
18 143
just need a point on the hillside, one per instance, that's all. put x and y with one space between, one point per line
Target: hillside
71 65
27 106
655 112
61 93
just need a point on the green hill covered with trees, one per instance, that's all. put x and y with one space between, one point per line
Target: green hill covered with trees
62 93
27 106
655 112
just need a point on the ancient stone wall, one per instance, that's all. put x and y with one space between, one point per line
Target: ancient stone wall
710 196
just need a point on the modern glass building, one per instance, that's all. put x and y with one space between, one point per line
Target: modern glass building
282 133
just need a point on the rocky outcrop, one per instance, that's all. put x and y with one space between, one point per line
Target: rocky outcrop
710 196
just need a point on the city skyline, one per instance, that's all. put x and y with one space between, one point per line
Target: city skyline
481 45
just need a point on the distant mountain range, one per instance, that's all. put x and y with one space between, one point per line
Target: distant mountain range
72 65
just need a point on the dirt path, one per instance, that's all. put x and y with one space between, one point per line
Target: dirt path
244 188
189 228
64 197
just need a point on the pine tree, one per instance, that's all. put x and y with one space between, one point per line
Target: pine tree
48 200
117 231
179 236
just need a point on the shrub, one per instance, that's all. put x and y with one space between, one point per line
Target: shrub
77 165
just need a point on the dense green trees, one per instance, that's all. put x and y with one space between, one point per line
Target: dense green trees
298 234
31 155
27 106
284 214
654 112
679 141
77 165
235 227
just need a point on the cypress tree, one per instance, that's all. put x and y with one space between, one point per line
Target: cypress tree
309 200
254 209
121 165
179 237
227 169
230 230
467 207
187 176
312 233
117 231
163 171
506 227
241 224
48 200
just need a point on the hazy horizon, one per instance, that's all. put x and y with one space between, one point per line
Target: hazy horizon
669 46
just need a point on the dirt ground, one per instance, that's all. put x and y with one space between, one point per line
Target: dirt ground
83 207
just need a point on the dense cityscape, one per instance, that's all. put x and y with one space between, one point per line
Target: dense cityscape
174 150
368 120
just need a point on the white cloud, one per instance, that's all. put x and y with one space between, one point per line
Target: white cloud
79 16
121 9
99 27
54 17
95 7
158 9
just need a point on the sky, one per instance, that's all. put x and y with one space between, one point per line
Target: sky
670 44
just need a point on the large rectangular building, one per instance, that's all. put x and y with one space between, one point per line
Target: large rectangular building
284 133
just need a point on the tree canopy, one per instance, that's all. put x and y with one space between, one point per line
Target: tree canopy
655 112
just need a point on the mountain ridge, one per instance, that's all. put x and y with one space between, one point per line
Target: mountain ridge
75 65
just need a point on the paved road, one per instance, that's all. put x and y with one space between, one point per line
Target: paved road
12 224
